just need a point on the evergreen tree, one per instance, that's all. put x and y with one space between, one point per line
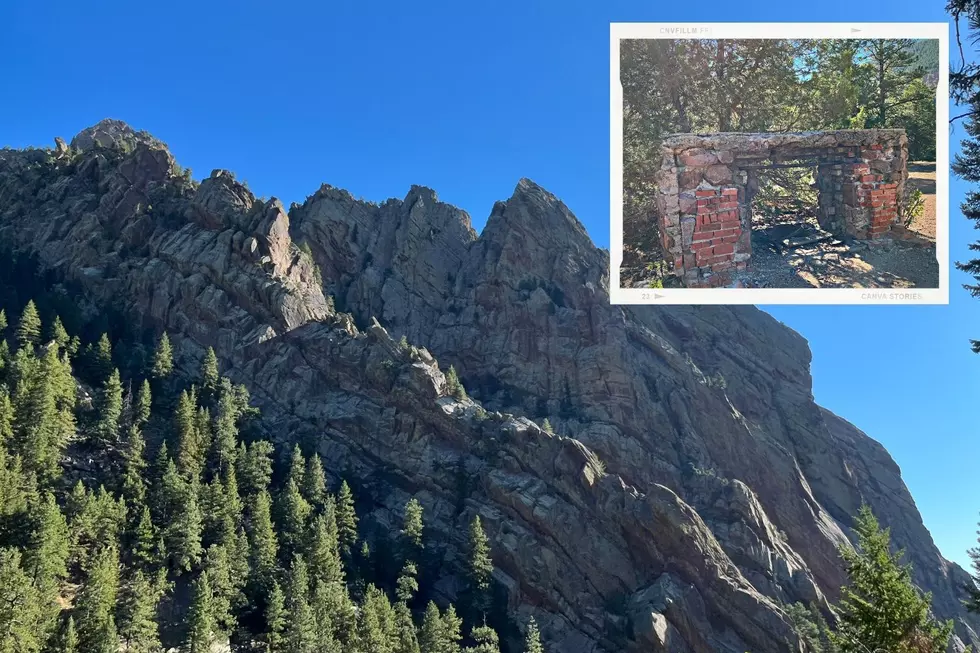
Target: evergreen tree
479 566
407 584
182 520
69 637
452 630
190 452
133 484
432 634
546 426
102 358
58 334
46 560
293 514
209 371
225 587
300 636
201 625
29 327
453 385
275 619
412 526
377 622
880 609
143 540
224 443
486 640
532 639
6 417
315 483
406 639
323 551
144 403
255 466
109 408
96 602
137 614
3 321
163 358
346 519
262 541
18 606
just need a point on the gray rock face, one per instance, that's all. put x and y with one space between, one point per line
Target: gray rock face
691 487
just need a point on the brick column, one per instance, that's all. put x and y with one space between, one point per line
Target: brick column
717 229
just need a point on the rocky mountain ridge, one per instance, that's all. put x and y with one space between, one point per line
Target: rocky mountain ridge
692 486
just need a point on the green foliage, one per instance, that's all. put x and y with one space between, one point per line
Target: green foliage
546 426
532 639
479 566
346 519
911 204
144 404
880 609
138 627
109 408
453 385
163 358
200 619
276 619
96 603
300 636
209 370
29 327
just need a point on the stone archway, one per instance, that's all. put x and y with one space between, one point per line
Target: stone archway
704 199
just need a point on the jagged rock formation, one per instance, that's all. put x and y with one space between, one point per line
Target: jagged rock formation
691 487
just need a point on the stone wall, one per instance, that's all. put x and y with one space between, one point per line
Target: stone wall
706 183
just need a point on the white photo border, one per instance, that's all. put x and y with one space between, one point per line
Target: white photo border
863 296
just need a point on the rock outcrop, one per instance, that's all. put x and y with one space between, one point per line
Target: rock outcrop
690 489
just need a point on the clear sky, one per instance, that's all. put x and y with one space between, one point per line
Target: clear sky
467 98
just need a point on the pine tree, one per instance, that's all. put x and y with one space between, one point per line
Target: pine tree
880 609
293 514
412 526
143 540
69 637
432 634
109 408
96 602
133 484
297 467
546 426
209 371
102 358
479 566
315 483
453 385
262 541
532 639
137 614
46 560
29 327
323 550
6 417
3 321
225 441
58 333
406 639
407 584
144 404
275 619
182 520
486 640
163 358
300 633
190 455
255 466
452 630
377 623
346 519
18 605
225 587
200 626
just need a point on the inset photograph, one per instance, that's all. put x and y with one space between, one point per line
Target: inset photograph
779 164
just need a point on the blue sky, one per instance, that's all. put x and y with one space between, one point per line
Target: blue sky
467 98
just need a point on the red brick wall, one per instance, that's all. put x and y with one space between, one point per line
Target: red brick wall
716 231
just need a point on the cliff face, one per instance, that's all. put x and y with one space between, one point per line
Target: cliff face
691 486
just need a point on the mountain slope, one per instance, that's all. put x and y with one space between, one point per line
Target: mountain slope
693 485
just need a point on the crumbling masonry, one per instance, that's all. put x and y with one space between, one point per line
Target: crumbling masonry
706 183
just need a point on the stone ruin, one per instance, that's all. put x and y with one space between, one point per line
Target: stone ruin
706 183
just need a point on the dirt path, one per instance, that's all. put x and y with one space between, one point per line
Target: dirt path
922 175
